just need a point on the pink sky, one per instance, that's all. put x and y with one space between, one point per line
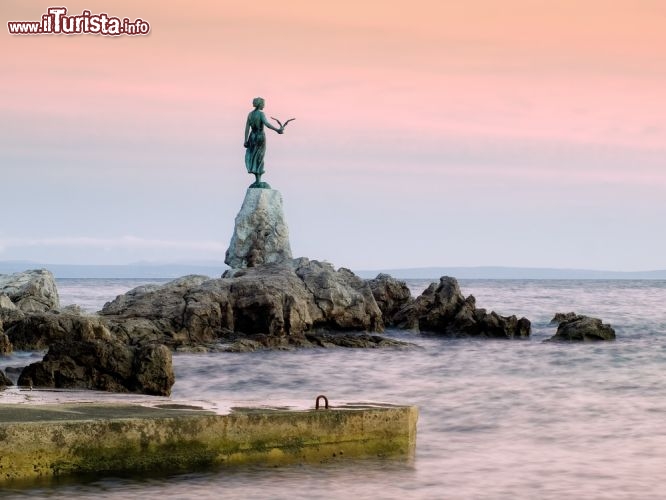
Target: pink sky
561 104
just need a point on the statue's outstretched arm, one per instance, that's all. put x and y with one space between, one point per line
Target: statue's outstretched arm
268 124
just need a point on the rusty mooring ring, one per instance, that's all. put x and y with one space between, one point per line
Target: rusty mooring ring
325 402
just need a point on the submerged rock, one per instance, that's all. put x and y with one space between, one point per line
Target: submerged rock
363 341
579 328
442 308
312 340
261 235
30 291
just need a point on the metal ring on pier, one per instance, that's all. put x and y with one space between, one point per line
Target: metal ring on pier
325 402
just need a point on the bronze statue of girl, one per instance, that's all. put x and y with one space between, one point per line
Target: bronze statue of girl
255 141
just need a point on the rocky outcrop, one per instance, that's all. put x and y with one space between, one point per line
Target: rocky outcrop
276 300
391 296
579 328
443 309
84 354
261 235
31 291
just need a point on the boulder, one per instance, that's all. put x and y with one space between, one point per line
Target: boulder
88 356
580 328
31 291
391 296
442 308
261 235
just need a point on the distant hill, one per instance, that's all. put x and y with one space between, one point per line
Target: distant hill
215 269
138 270
503 273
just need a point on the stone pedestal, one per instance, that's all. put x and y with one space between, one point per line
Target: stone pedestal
260 234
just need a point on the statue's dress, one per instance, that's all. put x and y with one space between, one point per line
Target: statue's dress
256 144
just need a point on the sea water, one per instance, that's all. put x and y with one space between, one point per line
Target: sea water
498 419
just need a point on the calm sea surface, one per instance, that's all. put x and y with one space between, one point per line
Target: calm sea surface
498 419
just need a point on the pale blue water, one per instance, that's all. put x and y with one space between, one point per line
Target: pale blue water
499 419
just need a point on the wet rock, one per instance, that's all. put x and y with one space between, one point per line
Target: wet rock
31 291
391 296
357 341
9 313
313 340
4 380
442 308
5 344
152 370
580 328
13 373
83 353
245 345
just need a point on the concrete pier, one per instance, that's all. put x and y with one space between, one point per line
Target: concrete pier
58 439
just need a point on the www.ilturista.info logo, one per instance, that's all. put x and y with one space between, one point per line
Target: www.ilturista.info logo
56 21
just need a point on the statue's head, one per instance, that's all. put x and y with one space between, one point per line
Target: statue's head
258 102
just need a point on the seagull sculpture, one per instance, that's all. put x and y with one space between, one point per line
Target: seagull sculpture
285 123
